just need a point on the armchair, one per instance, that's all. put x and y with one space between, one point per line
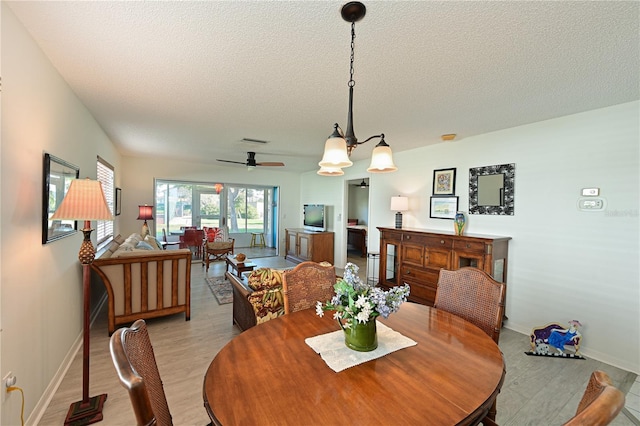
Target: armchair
217 245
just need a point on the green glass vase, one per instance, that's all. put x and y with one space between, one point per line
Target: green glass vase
361 337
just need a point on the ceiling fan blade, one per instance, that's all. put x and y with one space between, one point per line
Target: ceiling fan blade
270 164
229 161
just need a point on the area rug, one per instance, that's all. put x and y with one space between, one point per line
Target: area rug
221 289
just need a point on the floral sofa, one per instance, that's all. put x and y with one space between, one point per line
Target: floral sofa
143 281
257 296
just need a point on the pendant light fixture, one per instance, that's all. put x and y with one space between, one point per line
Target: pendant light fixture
339 146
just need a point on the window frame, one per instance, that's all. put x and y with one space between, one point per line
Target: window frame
105 174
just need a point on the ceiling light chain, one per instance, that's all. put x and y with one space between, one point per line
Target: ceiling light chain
339 145
353 45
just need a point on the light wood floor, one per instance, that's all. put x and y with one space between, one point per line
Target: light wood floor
536 391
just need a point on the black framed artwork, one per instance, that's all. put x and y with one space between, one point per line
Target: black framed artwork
443 207
444 182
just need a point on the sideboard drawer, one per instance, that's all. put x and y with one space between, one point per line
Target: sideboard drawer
466 245
427 276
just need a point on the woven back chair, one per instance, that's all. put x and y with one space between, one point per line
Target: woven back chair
166 242
135 362
306 284
600 404
473 295
217 245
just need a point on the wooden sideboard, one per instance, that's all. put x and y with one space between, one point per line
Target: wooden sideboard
303 245
415 257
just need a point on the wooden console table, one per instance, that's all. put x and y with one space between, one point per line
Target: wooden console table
415 257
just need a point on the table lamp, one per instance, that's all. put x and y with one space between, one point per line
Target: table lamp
399 204
85 200
145 213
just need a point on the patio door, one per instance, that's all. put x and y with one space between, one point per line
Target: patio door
209 208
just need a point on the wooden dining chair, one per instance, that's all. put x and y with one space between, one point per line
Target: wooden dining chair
193 239
165 243
472 294
135 362
600 403
306 284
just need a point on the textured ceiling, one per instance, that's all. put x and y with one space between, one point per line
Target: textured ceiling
190 80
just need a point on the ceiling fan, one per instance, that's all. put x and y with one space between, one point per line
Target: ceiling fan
362 184
251 162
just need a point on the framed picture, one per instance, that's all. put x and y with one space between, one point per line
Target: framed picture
443 207
118 201
444 182
57 176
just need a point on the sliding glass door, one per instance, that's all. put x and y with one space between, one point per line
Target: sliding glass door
244 209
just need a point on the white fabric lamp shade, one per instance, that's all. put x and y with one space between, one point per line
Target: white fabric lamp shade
399 204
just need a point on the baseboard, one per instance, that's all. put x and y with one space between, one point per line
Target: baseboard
54 384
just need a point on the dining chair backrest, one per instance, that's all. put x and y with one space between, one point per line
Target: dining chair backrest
132 354
600 403
473 295
306 284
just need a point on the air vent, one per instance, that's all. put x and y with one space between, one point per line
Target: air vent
255 141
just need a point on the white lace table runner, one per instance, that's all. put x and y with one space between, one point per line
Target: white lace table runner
338 356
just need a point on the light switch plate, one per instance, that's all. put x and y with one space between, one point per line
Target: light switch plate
590 192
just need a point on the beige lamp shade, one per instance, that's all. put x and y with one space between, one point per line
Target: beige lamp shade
84 200
382 160
330 171
335 153
399 204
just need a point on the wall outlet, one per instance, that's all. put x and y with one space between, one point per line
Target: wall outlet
8 380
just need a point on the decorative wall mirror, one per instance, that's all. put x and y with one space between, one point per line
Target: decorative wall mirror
57 177
491 189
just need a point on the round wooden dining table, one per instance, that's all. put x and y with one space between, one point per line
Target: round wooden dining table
268 375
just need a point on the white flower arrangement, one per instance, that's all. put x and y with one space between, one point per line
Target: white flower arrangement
355 300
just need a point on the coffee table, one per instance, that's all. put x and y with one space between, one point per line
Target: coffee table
239 267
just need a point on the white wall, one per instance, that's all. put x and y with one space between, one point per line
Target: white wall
41 311
139 174
564 264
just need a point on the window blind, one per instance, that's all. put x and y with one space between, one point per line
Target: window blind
104 228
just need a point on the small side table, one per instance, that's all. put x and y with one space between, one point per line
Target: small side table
239 267
373 260
257 240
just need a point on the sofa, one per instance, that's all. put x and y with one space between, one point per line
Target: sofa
143 281
258 296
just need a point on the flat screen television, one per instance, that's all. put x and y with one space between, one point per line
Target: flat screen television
315 217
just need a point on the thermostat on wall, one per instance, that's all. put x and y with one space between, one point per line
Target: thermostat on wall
591 204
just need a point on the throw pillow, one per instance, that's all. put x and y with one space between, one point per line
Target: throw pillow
153 242
265 279
214 234
144 246
267 304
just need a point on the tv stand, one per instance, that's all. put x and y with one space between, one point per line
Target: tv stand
303 245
